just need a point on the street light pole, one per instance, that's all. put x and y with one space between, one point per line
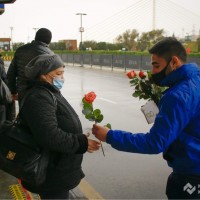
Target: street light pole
81 29
11 37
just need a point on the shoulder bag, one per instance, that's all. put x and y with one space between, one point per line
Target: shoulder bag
20 155
5 95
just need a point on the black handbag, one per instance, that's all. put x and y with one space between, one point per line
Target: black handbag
20 155
5 95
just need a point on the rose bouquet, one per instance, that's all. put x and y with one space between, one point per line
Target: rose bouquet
144 87
90 113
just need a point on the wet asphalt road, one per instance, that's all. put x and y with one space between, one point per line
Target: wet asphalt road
118 175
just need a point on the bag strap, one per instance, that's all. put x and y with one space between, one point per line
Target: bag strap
28 93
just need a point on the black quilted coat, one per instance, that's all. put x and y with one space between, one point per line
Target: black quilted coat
17 82
58 129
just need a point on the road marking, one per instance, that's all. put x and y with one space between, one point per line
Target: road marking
89 191
107 100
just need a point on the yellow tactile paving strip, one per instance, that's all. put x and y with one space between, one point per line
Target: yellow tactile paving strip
7 58
20 193
17 192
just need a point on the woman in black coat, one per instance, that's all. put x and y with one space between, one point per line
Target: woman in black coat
55 126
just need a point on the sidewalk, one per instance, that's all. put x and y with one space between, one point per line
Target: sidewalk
10 188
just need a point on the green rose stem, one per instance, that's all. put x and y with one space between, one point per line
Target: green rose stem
101 146
102 149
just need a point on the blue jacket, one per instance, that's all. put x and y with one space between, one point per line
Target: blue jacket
176 130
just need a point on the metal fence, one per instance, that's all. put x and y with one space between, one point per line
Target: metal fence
139 62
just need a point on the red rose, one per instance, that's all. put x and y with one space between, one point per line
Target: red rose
90 97
141 74
131 74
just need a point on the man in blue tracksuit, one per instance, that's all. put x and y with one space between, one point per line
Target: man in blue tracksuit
176 130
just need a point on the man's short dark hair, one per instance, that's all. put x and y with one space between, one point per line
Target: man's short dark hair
43 35
169 47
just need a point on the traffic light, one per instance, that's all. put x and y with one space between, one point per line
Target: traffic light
7 1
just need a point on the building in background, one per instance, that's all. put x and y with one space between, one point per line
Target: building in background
5 44
70 44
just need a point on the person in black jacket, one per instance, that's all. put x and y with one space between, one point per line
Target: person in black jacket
2 69
7 108
55 127
3 77
17 81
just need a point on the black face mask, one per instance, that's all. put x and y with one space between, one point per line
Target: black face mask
159 77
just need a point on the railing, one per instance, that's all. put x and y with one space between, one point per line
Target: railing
139 62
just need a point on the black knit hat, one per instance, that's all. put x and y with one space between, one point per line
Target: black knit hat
42 64
43 35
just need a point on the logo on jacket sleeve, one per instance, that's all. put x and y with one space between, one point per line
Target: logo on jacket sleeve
189 188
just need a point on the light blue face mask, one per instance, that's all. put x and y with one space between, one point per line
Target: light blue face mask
58 82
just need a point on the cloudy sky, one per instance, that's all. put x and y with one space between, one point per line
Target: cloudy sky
105 19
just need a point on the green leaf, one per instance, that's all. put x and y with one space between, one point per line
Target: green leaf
144 86
149 74
136 94
99 119
97 112
134 81
88 106
144 96
90 117
86 111
137 87
108 125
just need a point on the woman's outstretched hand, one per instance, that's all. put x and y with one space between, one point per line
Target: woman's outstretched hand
93 145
